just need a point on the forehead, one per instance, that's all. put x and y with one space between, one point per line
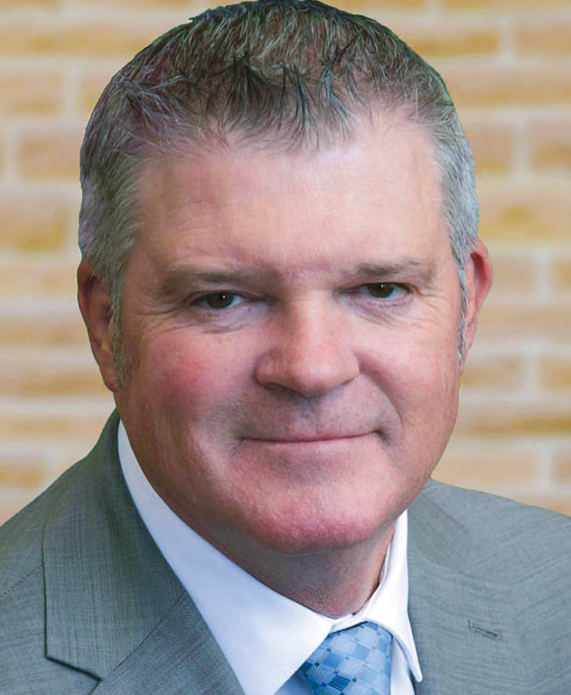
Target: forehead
380 186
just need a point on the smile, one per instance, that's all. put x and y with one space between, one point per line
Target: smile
310 440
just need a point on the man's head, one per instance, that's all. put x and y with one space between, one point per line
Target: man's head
280 75
290 297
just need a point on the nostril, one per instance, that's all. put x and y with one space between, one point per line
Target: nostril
308 374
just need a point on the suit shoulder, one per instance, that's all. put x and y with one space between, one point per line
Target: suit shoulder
21 536
504 532
23 663
465 503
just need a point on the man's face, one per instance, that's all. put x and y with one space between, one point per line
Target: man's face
291 323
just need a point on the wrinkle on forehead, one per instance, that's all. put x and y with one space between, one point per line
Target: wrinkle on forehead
245 210
245 166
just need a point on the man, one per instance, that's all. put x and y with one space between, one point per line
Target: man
281 279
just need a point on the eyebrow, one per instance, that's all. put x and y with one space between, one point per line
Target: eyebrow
408 268
179 280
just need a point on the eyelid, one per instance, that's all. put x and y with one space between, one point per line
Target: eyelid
200 297
392 283
399 289
196 298
405 287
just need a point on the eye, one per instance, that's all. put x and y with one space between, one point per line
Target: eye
385 290
219 300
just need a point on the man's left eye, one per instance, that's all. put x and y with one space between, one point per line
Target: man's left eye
385 290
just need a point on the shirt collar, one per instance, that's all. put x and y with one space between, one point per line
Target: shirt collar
251 623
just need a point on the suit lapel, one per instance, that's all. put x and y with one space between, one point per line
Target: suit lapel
114 608
463 625
179 656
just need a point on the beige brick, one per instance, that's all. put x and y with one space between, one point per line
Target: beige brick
486 468
562 467
29 4
550 145
43 330
30 93
492 372
493 146
561 272
139 5
539 211
49 429
72 452
48 378
556 503
12 500
50 155
512 274
508 86
504 419
74 39
449 39
25 279
2 154
372 6
34 221
21 471
90 87
501 5
555 372
525 322
553 38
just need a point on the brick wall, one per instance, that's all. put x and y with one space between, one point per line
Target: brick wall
508 64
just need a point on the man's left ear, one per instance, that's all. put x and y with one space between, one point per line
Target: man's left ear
479 276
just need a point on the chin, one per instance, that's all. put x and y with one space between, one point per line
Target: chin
316 530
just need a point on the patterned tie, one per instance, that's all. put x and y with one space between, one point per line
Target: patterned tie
356 661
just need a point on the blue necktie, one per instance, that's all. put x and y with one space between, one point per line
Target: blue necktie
356 661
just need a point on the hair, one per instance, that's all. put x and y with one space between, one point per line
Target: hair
274 74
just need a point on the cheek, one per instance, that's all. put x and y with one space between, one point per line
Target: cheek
420 377
417 370
191 374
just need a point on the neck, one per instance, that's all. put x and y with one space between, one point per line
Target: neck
332 582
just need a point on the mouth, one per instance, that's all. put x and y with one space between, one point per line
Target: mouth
314 439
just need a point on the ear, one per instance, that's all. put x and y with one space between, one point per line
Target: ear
95 307
479 276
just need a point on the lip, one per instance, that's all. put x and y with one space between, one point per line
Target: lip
310 440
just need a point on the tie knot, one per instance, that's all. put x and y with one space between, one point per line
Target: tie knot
356 661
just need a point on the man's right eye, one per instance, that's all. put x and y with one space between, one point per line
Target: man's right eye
218 300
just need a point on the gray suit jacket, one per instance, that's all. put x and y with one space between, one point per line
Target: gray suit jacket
89 605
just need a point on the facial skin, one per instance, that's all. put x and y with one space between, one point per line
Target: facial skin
291 323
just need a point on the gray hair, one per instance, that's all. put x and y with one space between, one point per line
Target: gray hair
275 74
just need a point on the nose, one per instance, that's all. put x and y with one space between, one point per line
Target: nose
309 354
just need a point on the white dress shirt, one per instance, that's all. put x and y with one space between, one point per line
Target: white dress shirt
265 636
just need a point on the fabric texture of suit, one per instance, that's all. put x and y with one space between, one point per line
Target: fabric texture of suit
89 605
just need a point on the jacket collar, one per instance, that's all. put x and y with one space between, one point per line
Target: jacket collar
114 608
